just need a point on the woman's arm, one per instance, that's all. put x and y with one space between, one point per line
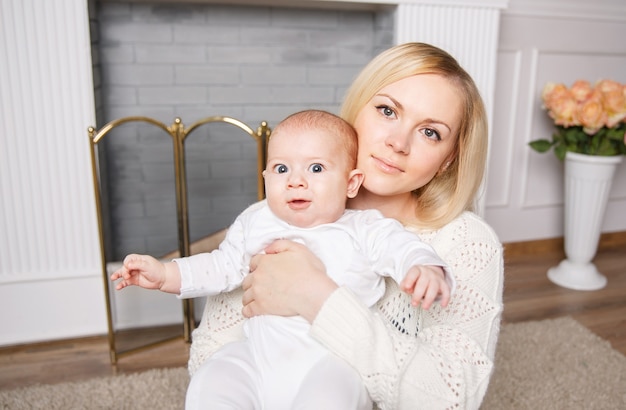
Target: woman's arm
288 280
413 358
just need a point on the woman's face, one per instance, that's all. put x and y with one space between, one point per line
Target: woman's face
407 133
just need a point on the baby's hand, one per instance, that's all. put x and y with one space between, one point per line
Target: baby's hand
425 283
140 270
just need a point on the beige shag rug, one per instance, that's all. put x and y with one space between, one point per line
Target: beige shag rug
550 364
556 364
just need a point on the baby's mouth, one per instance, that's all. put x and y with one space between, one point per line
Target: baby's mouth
298 204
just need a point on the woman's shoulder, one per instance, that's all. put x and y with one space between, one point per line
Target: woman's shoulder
465 228
471 225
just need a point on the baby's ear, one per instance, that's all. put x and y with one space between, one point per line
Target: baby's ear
355 179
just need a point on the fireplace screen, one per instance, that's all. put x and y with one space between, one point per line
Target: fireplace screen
122 337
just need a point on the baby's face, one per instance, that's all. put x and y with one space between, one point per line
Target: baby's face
307 177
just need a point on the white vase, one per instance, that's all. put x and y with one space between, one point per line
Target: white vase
588 181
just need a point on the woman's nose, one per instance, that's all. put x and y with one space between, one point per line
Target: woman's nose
399 141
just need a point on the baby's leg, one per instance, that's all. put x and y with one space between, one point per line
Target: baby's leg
227 380
332 385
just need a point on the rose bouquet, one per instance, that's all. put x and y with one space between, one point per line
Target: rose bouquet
589 120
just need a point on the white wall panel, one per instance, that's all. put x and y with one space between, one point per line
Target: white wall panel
545 181
610 10
551 48
505 125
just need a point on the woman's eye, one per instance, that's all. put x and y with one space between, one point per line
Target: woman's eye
386 111
280 168
315 168
432 134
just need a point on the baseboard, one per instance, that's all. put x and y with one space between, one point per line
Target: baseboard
554 246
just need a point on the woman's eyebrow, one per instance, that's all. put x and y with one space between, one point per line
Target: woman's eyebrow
393 100
401 108
435 121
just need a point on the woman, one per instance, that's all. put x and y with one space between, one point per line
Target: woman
422 146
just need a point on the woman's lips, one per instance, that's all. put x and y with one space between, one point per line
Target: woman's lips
387 166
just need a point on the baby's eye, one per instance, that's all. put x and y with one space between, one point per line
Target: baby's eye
315 168
280 168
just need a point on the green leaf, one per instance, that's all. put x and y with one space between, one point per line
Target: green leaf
606 148
560 151
616 134
595 144
605 142
573 147
540 145
572 137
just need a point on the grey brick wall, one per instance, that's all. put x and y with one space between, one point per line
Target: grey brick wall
193 61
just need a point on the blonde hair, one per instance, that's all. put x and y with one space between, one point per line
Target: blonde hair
344 133
453 190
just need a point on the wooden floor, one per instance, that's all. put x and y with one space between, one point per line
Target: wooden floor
528 295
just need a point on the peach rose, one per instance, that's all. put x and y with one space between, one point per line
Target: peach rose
564 112
560 103
614 100
608 86
581 90
591 113
593 108
554 92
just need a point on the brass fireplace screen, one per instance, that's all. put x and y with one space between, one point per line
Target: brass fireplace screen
178 133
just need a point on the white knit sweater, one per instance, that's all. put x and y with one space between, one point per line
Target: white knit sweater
408 358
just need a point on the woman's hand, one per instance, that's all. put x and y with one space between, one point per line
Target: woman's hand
287 280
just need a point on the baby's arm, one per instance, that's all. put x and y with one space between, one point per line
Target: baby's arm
148 273
426 284
399 253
